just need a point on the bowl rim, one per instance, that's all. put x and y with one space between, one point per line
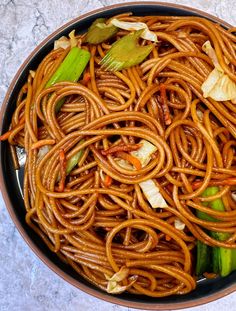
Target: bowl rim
85 288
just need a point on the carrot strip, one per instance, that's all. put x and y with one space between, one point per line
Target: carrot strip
210 275
168 238
86 78
164 106
43 142
107 181
6 135
133 160
226 182
62 158
118 148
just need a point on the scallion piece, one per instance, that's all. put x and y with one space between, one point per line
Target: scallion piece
70 69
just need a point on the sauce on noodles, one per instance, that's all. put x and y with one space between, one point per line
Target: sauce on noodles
95 215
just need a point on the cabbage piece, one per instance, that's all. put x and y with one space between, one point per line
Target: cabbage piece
113 287
152 194
179 224
144 152
124 164
64 42
208 49
133 26
218 85
233 194
120 275
43 151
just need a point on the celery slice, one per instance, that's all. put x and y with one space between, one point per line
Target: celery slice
99 31
126 53
70 69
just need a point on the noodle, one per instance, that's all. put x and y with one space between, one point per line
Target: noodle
96 216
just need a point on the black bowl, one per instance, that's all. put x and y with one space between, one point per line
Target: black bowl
11 180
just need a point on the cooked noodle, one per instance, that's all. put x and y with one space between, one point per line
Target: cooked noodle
96 218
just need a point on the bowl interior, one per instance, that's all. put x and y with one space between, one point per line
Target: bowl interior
12 180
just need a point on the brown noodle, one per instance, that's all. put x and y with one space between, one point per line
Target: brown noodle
97 218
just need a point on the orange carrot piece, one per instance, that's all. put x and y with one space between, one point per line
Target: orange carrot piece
107 181
210 275
168 238
8 133
86 78
133 160
5 135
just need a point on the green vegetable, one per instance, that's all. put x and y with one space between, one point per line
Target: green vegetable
126 53
203 258
70 69
99 31
223 259
72 162
233 262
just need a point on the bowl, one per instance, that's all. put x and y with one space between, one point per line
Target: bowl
11 180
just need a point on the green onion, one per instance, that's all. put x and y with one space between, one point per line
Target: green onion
99 31
126 52
70 69
223 259
72 162
203 263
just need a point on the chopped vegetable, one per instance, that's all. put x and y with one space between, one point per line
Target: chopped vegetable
107 181
233 194
42 151
128 157
64 42
208 49
70 69
72 66
124 164
73 161
146 34
222 258
86 78
99 31
5 135
199 114
32 73
73 40
126 53
144 152
218 85
113 287
152 194
179 224
120 275
203 263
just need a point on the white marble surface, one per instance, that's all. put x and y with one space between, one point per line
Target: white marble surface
26 284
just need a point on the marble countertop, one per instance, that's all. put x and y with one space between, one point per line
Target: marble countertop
26 284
